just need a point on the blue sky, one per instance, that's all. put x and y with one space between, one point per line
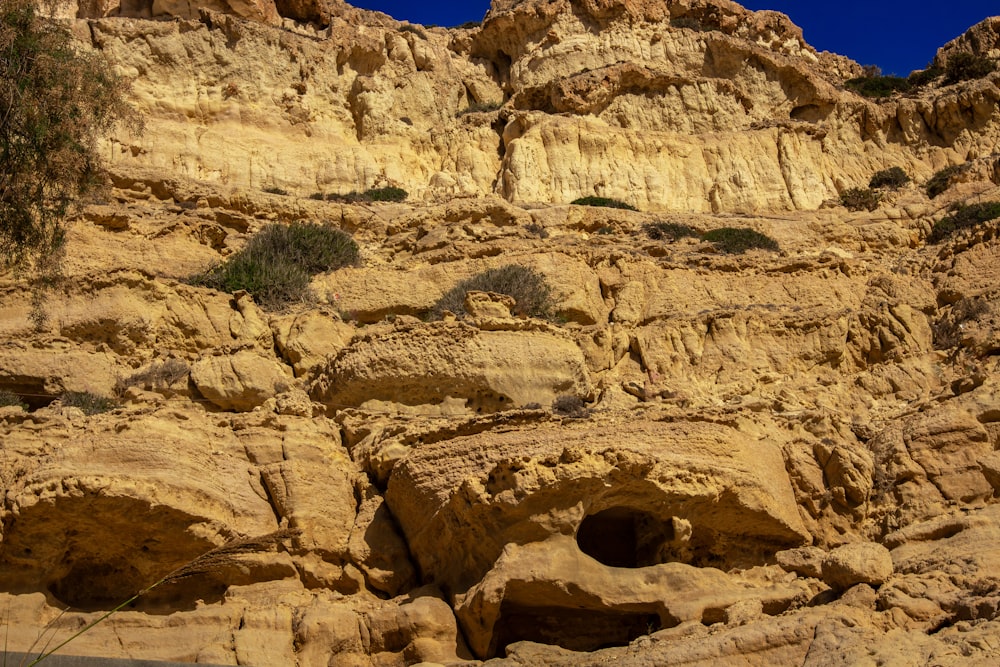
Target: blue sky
897 35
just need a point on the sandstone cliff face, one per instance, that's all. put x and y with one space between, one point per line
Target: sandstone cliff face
780 456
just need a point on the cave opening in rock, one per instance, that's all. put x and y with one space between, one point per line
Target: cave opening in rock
628 537
573 629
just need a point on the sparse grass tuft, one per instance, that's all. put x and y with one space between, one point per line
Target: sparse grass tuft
738 240
528 287
892 178
91 404
157 376
860 199
10 399
964 217
605 202
276 265
669 231
570 406
481 107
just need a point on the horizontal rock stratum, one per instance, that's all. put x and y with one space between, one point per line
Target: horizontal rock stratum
696 453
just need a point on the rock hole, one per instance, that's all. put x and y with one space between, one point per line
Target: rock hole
573 629
629 537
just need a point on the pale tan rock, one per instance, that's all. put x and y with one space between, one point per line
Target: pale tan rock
859 563
306 340
240 381
427 364
805 561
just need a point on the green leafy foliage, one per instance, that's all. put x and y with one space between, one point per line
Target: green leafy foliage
528 287
891 178
91 404
941 180
967 66
860 199
669 231
878 86
276 265
925 77
56 101
605 202
388 193
964 217
738 240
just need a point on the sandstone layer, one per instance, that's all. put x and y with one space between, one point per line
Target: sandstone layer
783 456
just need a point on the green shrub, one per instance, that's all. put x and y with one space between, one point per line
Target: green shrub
481 107
878 86
468 25
860 199
276 191
924 77
669 231
966 66
737 240
276 265
964 217
606 202
387 193
10 399
528 287
91 404
893 178
941 180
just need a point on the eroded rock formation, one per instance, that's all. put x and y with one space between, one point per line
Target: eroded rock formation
783 456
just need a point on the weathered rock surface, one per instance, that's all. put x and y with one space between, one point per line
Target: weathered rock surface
784 457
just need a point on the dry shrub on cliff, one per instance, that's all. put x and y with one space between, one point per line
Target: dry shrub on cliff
669 231
860 199
941 180
738 240
276 265
891 178
91 404
10 399
605 202
528 287
964 217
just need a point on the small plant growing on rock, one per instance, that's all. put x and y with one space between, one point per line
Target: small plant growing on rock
964 217
91 404
570 406
276 265
860 199
412 29
688 22
669 231
967 66
481 107
528 287
388 193
276 191
738 240
925 77
941 180
891 178
157 376
878 86
10 399
605 202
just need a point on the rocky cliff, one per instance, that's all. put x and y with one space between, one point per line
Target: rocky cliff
782 456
